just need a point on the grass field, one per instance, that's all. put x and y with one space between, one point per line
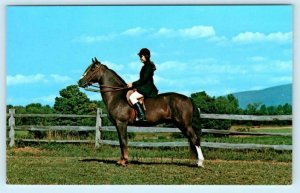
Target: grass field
83 164
50 163
263 129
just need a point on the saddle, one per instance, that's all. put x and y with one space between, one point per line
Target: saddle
141 101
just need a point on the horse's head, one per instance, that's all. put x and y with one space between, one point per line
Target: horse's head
90 75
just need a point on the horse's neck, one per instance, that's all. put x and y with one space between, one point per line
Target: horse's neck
110 98
111 79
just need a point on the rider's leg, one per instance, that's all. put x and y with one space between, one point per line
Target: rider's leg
136 105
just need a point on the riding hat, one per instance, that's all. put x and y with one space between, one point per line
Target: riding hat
145 52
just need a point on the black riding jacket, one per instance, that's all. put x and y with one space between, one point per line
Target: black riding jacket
145 85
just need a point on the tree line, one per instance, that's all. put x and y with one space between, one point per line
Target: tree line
73 101
230 105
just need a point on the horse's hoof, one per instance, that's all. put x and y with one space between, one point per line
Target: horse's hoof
200 163
122 163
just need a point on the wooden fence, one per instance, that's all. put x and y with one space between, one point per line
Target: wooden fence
99 127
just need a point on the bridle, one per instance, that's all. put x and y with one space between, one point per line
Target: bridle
101 87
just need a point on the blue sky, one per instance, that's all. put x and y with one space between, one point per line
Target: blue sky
216 49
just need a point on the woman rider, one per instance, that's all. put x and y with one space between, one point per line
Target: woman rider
144 87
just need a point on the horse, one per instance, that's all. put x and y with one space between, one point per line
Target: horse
166 107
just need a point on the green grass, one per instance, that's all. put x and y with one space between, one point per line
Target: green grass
135 153
22 134
272 130
263 129
51 163
78 170
270 140
83 164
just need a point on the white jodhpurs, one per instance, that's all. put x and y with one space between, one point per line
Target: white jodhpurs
135 96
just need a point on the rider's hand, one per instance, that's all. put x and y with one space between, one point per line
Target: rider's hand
129 85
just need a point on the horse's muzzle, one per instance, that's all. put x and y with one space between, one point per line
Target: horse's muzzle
81 83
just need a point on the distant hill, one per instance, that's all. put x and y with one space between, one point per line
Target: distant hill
273 96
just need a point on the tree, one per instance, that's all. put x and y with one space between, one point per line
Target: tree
271 110
221 105
37 108
73 101
204 102
263 110
287 109
226 105
252 108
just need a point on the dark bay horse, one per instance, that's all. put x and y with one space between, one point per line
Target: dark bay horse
174 107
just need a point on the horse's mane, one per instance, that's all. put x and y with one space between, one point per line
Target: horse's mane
114 73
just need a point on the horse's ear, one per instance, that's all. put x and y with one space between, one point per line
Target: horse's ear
96 60
93 60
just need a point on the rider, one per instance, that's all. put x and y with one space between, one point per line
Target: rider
144 87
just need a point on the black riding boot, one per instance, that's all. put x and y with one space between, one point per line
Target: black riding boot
140 111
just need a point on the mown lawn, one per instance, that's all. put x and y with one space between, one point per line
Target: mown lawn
83 164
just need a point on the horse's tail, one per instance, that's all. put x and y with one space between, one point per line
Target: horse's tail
196 121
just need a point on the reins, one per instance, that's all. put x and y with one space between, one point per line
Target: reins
102 88
110 88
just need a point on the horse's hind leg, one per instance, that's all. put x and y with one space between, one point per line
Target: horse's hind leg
200 156
195 145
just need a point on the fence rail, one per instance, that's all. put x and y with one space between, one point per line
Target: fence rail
133 129
98 128
203 116
248 117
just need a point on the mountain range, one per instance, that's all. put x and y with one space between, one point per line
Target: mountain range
272 96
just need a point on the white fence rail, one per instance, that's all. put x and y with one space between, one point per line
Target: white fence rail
98 128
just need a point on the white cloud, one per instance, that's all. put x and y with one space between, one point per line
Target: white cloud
93 39
193 32
171 65
220 40
44 100
197 32
280 37
165 32
222 76
257 59
135 31
23 79
253 37
271 66
217 67
282 65
60 78
248 37
20 79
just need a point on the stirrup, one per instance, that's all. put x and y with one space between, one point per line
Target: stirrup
140 119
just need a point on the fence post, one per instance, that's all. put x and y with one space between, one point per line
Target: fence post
11 123
98 126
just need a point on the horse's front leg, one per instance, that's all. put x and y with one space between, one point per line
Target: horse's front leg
122 133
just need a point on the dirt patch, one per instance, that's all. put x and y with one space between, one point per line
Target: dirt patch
26 150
